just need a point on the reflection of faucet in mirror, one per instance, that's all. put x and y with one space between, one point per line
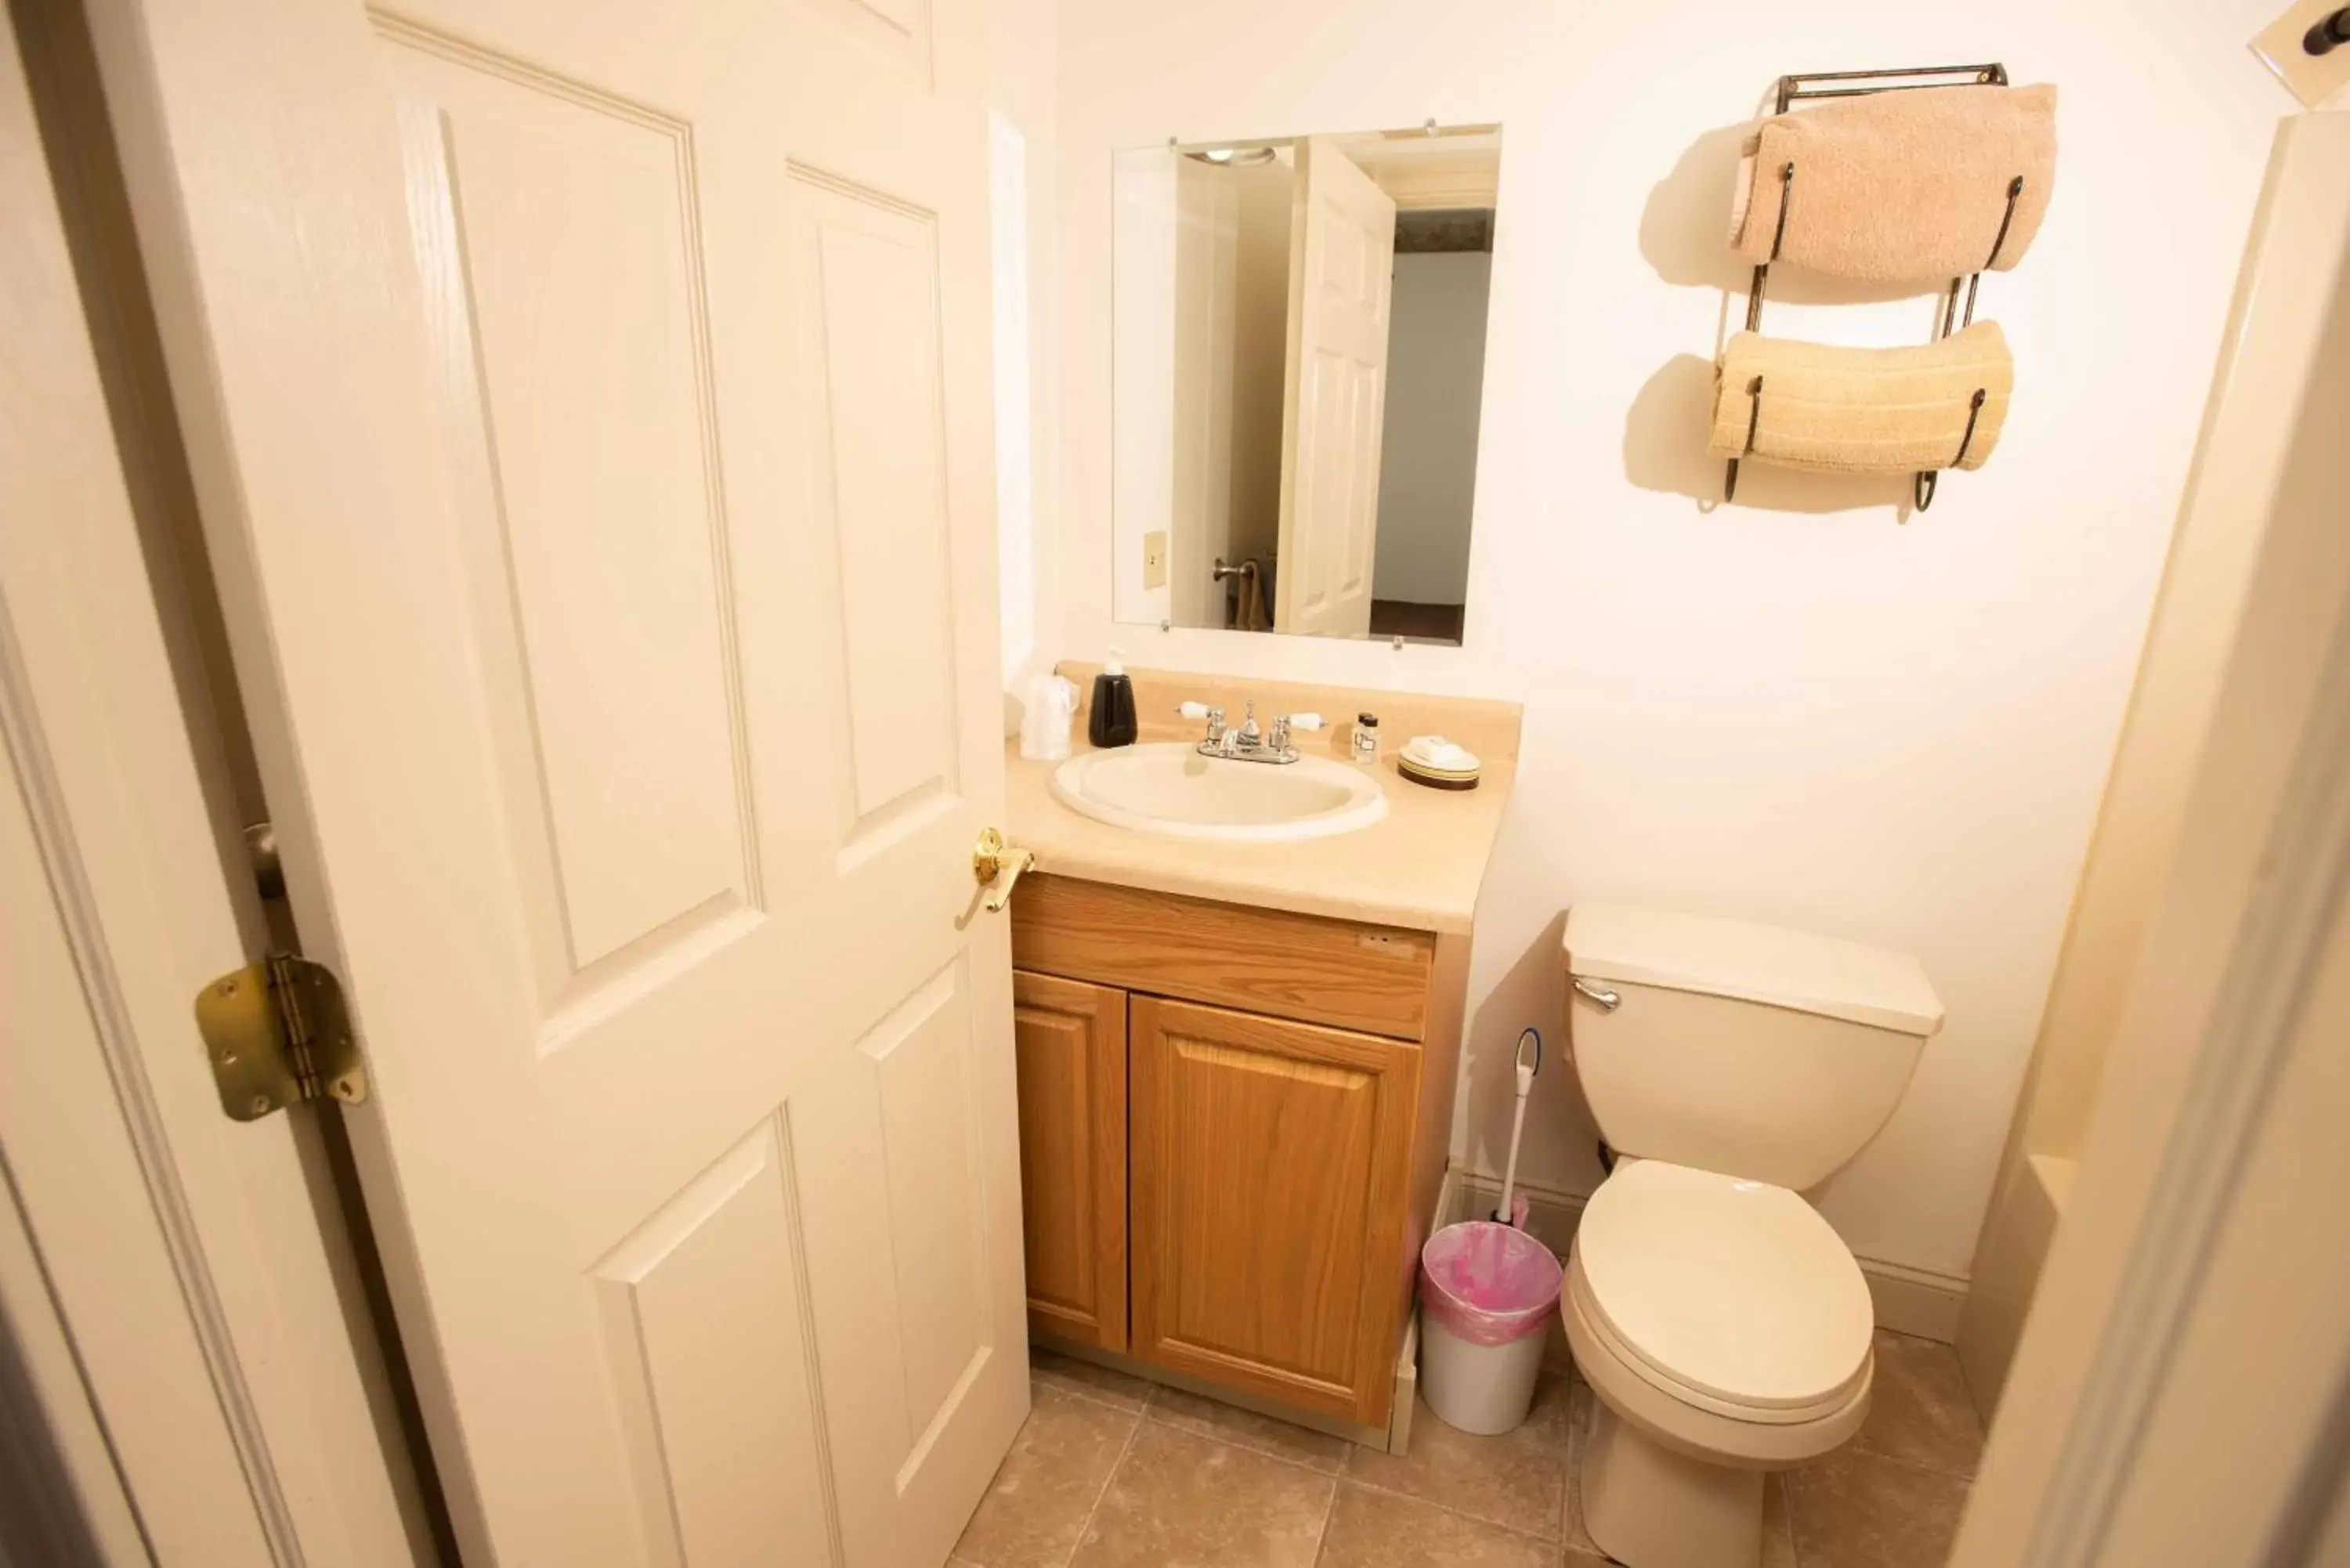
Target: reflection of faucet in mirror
1291 458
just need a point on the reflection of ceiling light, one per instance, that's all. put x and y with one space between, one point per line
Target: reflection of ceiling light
1233 157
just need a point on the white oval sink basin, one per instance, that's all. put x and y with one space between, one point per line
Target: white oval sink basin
1170 789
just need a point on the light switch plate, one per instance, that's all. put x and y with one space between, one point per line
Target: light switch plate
1154 560
2314 78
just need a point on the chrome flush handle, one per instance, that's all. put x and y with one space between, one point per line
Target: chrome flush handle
1606 1000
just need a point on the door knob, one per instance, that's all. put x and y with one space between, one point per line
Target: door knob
997 869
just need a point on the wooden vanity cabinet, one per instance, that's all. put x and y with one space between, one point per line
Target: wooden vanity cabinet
1070 1042
1278 1118
1269 1162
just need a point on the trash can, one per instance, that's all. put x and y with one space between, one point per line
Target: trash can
1487 1293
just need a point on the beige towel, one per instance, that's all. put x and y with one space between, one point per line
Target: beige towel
1248 604
1900 186
1863 410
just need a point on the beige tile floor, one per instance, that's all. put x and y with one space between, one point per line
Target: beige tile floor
1113 1472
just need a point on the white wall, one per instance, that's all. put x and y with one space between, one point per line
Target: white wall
1428 450
1143 255
1025 170
1791 710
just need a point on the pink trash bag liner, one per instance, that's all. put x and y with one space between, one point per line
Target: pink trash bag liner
1489 1283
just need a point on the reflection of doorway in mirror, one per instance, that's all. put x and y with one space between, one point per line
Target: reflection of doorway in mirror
1428 463
1299 344
1231 301
1341 278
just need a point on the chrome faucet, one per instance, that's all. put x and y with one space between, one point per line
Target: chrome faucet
1250 738
1247 743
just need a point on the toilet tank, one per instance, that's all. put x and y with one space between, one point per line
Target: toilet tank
1743 1049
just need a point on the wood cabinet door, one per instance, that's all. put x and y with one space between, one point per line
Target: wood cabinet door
1072 1058
1269 1164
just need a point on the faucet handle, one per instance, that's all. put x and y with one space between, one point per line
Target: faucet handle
1211 711
1302 721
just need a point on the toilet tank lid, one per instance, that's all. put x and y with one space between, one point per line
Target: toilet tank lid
1749 963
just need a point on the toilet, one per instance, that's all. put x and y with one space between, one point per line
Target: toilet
1722 1323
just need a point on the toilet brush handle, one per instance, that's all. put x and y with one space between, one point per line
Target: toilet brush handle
1528 1064
1509 1209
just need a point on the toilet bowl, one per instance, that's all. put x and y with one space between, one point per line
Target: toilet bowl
1723 1325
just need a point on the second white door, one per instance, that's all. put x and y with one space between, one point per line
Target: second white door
1342 281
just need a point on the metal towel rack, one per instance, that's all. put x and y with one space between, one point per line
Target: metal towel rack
1793 88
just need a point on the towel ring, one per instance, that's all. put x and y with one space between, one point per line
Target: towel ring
1975 280
1753 418
1754 322
1930 480
1798 85
1927 482
1778 239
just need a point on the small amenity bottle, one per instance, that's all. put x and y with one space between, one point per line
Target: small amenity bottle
1111 720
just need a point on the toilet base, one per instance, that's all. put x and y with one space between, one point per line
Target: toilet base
1648 1506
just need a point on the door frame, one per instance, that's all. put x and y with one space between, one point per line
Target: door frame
2184 1375
180 1289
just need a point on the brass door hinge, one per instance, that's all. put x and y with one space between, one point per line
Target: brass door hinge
276 1032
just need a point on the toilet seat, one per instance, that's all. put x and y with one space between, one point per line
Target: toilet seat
1733 1296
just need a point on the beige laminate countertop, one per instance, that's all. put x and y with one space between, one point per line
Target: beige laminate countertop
1418 868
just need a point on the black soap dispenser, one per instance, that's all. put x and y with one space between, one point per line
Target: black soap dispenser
1111 722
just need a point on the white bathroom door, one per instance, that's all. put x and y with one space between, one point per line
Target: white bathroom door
588 403
1341 283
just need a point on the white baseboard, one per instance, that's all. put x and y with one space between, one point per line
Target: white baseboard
1909 1300
1915 1300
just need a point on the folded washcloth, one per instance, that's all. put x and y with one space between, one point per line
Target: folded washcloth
1900 186
1864 411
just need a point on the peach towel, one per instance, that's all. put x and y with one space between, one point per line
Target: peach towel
1900 186
1863 410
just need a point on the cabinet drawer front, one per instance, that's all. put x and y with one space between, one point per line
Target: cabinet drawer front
1372 978
1269 1166
1069 1040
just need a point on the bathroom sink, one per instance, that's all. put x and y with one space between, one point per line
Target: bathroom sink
1170 789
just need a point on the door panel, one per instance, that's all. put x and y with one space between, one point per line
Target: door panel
1071 1038
554 246
887 1161
590 403
868 412
1342 279
703 1316
1269 1163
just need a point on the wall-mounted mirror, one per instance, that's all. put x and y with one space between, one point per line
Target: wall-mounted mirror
1300 351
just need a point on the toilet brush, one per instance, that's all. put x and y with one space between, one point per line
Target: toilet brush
1508 1213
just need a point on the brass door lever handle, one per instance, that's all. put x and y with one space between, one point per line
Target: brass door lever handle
997 869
